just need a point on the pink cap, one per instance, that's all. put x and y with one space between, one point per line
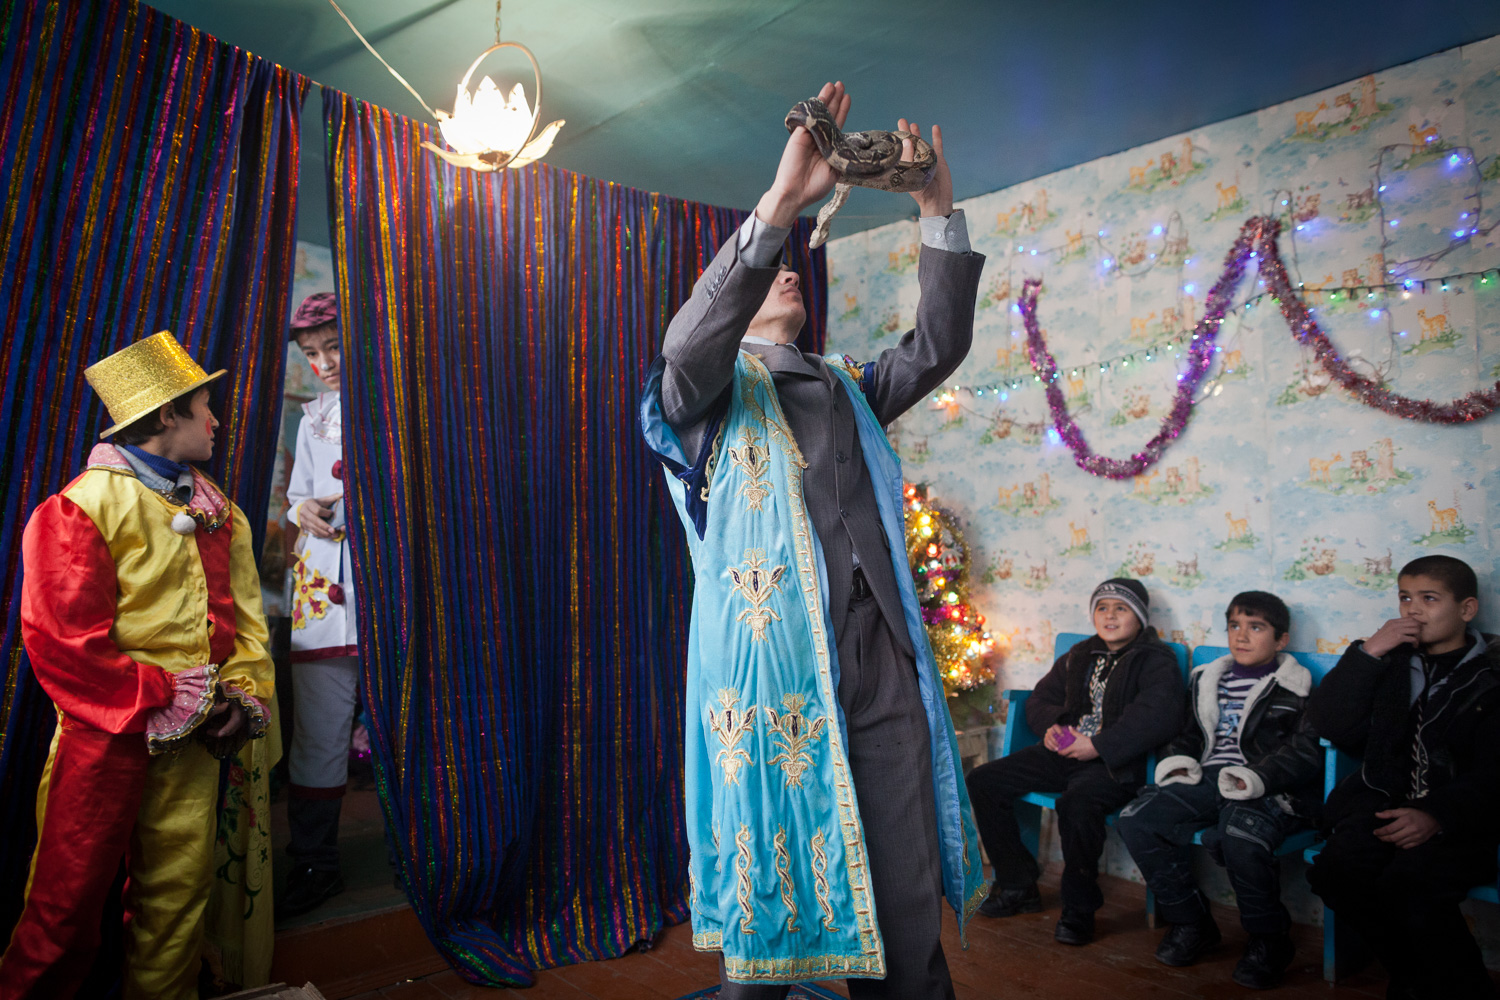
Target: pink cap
318 309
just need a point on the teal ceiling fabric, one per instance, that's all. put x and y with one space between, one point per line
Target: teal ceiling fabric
526 585
149 183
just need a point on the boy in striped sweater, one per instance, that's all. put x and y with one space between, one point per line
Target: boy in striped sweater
1245 768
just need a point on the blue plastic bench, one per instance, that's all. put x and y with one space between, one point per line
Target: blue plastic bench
1018 734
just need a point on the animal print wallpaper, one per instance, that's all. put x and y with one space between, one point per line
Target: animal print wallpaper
1280 481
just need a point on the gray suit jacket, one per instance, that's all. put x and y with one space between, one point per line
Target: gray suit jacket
703 342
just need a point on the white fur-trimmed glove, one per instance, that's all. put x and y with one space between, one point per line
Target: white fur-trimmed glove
1254 787
1179 762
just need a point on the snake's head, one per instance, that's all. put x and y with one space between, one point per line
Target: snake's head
813 115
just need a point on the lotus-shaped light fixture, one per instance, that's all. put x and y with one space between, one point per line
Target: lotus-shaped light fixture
490 132
487 132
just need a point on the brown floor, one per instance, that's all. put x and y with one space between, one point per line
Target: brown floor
1010 958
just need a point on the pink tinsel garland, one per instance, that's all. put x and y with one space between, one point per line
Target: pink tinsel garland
1257 239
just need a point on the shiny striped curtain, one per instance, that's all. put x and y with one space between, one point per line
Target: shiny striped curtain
523 581
149 182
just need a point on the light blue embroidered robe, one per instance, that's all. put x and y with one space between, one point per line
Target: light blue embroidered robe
779 875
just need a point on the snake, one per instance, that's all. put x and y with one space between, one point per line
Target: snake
865 159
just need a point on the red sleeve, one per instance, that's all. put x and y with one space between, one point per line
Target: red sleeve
68 593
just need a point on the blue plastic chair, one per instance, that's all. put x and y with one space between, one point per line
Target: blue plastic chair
1018 734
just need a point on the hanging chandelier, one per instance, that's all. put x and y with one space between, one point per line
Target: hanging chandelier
487 131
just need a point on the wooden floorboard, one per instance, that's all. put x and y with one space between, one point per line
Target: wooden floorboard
1010 959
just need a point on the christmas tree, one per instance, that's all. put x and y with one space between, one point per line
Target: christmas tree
939 560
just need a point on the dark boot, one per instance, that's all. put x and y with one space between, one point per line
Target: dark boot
307 888
1008 902
1265 960
1184 944
1074 927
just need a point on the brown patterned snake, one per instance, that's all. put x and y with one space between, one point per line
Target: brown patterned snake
867 159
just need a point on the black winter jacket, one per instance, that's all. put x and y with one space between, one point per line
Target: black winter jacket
1142 701
1277 740
1363 707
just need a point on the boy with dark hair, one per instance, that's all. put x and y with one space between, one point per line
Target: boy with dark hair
1246 764
1411 831
141 615
1102 708
325 646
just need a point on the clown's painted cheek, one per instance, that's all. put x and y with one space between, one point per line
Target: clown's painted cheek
314 366
208 425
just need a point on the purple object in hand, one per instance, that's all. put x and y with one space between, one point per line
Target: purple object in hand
1065 738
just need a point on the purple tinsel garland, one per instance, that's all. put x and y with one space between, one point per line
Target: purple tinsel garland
1257 238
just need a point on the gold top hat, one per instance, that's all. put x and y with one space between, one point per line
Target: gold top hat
139 379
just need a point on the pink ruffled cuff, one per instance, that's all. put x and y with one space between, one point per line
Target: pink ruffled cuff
168 728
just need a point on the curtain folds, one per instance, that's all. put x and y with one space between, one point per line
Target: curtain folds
148 174
523 581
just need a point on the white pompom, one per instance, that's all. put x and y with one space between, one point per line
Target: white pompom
183 524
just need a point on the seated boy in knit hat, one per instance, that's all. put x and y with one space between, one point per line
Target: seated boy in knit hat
325 648
1246 766
1102 708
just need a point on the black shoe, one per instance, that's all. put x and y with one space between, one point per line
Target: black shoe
1074 928
1008 902
1266 958
1184 944
307 888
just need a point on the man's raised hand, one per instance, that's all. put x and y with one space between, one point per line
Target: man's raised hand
803 176
936 199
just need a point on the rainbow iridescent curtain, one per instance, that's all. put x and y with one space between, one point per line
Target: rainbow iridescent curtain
523 579
149 176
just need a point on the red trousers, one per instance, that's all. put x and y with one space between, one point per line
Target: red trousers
87 806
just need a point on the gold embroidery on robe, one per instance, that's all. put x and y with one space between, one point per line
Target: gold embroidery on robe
742 877
713 463
784 872
754 459
757 583
793 735
730 726
820 879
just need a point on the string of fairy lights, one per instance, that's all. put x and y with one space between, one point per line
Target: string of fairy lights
1377 295
1296 216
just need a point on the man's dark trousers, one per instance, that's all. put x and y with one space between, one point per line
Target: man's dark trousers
1158 828
1089 794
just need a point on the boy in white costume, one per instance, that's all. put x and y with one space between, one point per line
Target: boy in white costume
325 654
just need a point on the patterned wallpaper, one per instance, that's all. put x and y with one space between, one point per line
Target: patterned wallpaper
1279 482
